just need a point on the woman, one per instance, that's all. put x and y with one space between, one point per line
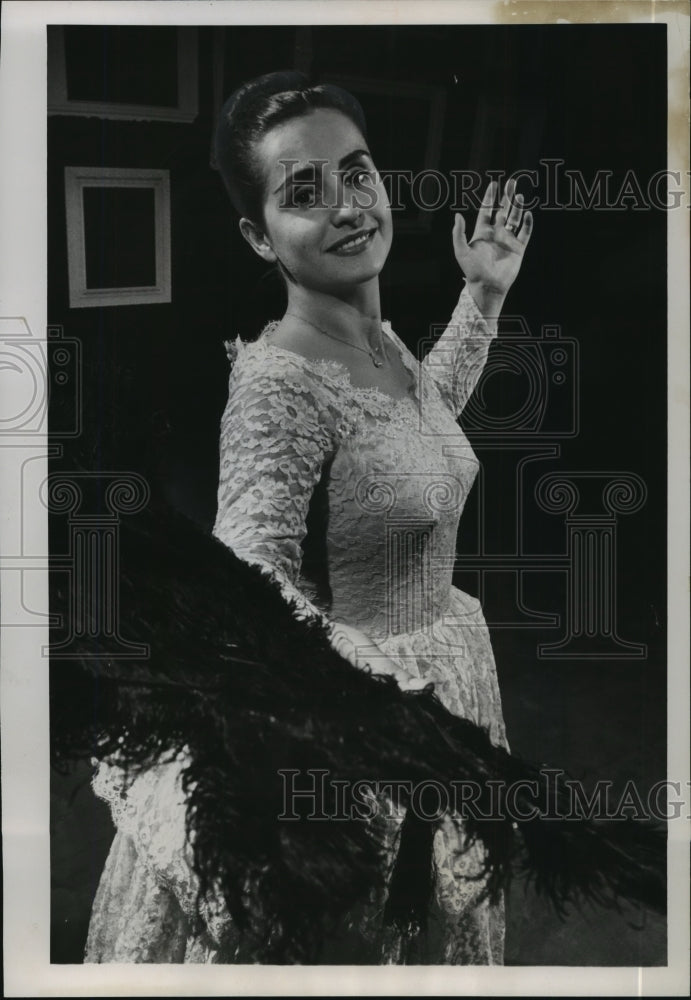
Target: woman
333 440
343 477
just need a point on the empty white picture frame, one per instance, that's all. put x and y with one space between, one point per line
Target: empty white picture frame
183 107
118 236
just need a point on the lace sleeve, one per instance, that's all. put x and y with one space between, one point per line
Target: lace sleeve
456 361
278 429
280 425
150 808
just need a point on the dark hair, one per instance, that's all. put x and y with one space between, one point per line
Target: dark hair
252 111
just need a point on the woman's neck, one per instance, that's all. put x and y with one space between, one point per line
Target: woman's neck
355 318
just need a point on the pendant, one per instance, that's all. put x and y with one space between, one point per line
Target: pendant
375 362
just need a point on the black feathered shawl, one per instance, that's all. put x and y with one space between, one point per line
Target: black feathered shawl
248 690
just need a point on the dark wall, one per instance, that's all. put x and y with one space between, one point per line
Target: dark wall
593 97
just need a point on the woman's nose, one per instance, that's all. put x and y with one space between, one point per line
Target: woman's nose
346 208
348 214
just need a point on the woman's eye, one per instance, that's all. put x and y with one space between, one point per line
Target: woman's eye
303 196
360 176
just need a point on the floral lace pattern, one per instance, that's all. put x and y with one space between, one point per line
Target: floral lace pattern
392 477
145 907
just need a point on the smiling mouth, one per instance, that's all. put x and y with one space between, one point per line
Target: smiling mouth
354 243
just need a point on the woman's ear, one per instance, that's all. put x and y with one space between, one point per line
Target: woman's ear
257 240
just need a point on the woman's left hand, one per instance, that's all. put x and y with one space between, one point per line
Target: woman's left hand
493 257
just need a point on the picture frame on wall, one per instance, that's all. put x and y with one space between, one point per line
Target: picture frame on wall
118 236
138 73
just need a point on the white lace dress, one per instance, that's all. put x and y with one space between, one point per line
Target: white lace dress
352 501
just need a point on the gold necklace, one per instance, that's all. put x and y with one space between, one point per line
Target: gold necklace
378 362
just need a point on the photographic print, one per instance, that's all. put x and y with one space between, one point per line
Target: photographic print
346 541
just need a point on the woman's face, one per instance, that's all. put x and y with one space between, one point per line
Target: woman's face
326 214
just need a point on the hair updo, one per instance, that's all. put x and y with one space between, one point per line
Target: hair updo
252 111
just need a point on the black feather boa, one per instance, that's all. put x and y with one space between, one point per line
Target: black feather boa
246 689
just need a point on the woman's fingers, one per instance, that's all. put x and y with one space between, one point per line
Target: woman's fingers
501 234
508 204
506 201
356 647
406 682
413 684
484 216
515 214
459 237
510 211
518 222
526 228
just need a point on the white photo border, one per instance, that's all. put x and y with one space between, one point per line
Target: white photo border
24 679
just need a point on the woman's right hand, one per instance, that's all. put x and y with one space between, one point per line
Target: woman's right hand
359 650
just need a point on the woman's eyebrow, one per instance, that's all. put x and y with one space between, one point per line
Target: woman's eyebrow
308 173
349 157
303 174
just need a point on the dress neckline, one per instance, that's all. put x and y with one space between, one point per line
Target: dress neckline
343 373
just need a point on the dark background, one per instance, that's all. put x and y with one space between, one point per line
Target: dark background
593 96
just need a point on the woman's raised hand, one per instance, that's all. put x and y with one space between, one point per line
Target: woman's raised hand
493 257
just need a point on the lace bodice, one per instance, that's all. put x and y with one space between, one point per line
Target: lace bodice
374 485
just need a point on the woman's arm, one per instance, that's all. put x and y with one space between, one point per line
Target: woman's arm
277 432
490 263
457 359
